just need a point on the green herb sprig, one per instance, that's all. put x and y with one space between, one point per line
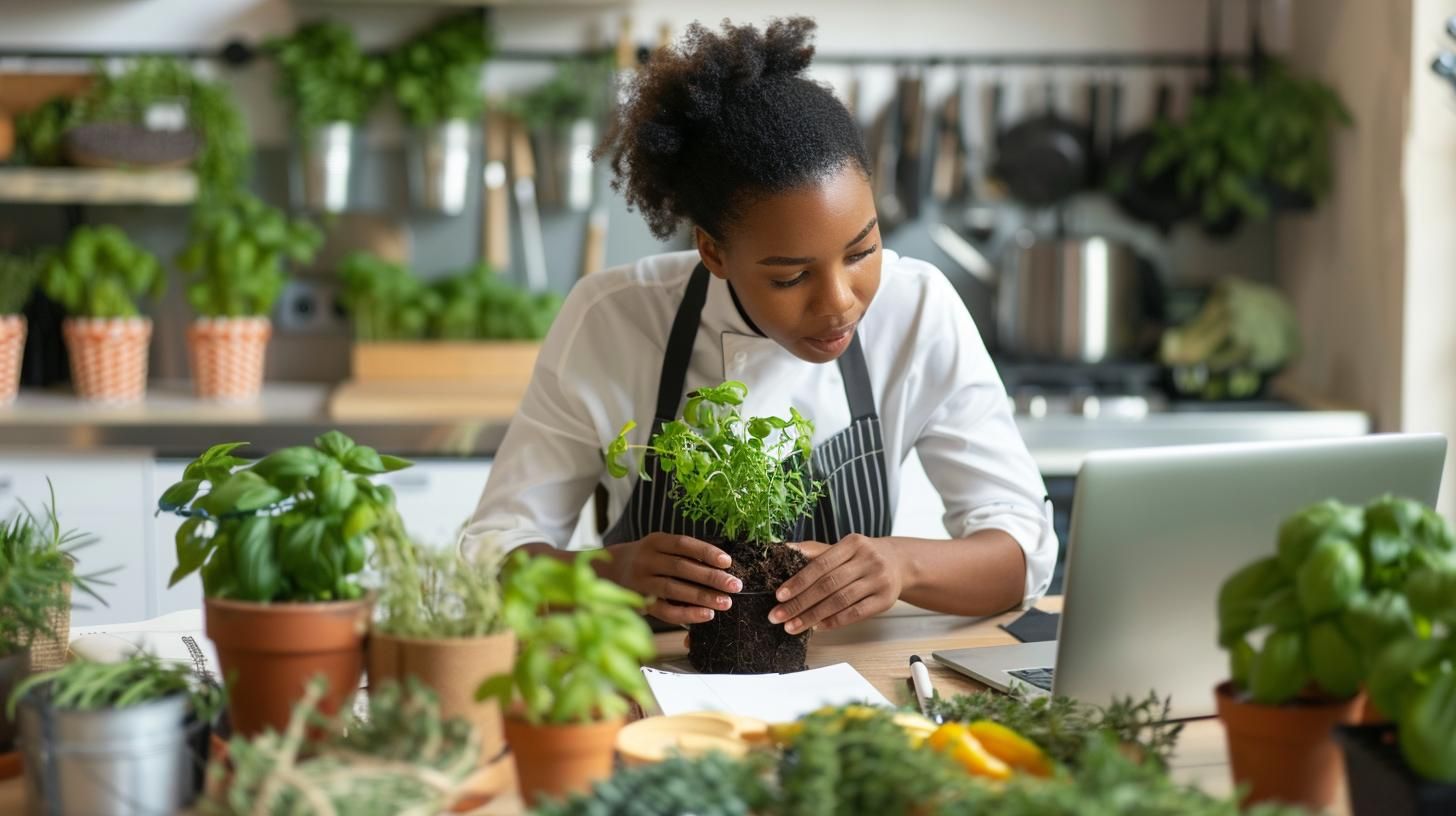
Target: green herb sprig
582 640
436 76
293 526
325 76
748 476
85 685
580 89
234 260
100 273
435 593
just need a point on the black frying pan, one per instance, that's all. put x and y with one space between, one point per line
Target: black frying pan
1046 158
1155 199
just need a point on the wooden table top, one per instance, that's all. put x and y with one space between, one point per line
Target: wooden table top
879 649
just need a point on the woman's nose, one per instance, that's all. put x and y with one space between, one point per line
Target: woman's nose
836 294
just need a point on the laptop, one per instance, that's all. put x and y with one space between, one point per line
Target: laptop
1156 531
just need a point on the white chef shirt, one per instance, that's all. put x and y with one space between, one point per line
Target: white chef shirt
935 388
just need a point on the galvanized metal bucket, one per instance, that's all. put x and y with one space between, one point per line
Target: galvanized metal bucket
323 180
565 166
114 762
439 161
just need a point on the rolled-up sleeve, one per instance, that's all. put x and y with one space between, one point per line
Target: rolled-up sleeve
971 449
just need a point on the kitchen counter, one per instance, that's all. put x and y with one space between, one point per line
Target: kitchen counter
171 423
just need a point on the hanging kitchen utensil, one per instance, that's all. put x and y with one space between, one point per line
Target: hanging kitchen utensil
495 226
533 246
909 172
949 174
1156 199
1109 125
1043 159
886 156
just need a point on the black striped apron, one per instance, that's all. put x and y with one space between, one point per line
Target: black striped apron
851 463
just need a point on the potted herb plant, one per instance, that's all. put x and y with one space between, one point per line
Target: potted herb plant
436 79
233 266
470 326
438 620
280 543
404 757
331 85
18 275
1407 766
561 115
1251 144
115 738
749 479
97 277
1325 604
582 643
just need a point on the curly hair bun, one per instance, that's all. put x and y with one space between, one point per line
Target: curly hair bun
723 116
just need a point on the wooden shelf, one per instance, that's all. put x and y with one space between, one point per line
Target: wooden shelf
66 185
469 3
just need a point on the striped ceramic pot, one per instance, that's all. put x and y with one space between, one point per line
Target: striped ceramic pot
227 356
108 357
12 343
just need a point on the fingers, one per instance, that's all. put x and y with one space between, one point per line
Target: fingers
830 604
810 549
690 570
869 607
692 548
670 612
823 565
672 589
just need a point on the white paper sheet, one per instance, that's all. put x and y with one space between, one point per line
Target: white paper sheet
771 697
177 637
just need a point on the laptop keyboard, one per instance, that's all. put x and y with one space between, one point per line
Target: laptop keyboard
1041 677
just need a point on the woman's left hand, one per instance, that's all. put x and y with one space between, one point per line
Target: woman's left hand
852 580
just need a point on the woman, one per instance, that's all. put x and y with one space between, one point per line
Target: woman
791 291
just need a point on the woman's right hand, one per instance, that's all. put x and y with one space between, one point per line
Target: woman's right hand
685 577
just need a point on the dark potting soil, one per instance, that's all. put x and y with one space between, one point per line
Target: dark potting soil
741 640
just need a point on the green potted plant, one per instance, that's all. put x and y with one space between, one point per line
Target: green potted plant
582 641
404 757
561 115
97 277
125 737
233 267
438 620
1251 144
749 479
1244 334
1407 766
331 85
436 79
280 543
18 276
469 326
1325 604
158 113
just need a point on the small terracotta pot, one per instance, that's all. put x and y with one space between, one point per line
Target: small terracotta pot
1286 753
108 357
553 761
227 355
453 668
12 344
270 651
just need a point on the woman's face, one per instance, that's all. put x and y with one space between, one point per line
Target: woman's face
804 263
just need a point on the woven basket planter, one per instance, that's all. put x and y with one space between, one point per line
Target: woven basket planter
48 653
227 356
108 357
12 343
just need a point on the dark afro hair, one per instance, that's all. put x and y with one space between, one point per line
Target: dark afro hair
723 118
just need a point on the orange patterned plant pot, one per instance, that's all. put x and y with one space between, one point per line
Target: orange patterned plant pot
108 357
227 356
12 343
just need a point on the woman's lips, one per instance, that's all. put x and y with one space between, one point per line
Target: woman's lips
832 343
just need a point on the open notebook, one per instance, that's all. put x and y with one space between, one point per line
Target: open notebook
769 697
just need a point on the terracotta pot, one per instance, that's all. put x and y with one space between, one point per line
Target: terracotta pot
12 344
227 356
453 668
108 357
269 652
1286 753
553 761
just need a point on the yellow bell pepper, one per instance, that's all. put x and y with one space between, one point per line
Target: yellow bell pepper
956 741
1011 748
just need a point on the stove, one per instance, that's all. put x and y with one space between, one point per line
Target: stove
1114 391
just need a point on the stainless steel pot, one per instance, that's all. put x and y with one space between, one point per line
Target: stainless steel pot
564 165
1071 300
324 179
439 166
113 762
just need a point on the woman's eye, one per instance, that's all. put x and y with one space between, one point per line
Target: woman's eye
784 284
860 256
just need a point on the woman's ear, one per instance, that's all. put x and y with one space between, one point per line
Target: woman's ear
711 252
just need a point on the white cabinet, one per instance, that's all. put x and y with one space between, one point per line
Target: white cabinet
107 494
437 496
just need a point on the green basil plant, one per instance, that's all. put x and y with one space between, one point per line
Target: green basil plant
234 259
100 273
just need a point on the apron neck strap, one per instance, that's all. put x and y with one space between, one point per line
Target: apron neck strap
679 354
